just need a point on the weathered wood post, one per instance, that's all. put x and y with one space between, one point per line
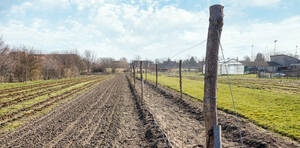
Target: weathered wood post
146 70
142 81
134 76
156 75
211 69
180 78
131 68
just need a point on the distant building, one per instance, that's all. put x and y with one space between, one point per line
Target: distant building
278 63
284 64
284 60
231 67
272 67
249 67
281 63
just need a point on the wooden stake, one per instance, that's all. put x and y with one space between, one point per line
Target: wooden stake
211 67
146 71
180 78
134 76
142 82
156 75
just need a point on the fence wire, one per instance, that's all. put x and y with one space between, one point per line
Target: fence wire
230 87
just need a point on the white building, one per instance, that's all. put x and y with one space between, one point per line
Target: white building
233 66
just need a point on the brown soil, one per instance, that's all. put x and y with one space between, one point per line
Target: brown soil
113 114
23 96
106 115
252 135
39 106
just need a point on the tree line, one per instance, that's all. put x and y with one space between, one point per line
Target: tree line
26 64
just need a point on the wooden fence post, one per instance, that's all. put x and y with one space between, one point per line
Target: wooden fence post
146 70
131 70
156 75
180 78
211 69
134 76
142 82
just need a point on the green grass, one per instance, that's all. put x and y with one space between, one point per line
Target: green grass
13 125
28 83
279 112
16 107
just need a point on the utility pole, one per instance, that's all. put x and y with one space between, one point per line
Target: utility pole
210 79
275 46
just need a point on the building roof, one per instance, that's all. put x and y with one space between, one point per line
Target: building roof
248 63
295 64
230 61
271 63
285 56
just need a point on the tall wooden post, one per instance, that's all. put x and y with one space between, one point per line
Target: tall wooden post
131 70
156 75
142 81
146 70
180 78
211 69
134 76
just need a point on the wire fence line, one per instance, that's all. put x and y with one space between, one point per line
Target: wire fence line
188 49
230 88
227 76
230 80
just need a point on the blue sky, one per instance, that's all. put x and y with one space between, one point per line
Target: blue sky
149 28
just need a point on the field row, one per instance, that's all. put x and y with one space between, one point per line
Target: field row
35 100
103 116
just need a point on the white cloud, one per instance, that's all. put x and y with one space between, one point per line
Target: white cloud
39 5
126 30
52 3
257 3
263 2
238 39
20 9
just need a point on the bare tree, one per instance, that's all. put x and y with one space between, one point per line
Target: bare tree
5 63
260 60
89 57
123 63
247 59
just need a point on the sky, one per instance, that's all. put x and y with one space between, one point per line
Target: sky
151 29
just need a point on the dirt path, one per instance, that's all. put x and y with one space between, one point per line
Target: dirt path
183 128
112 114
252 135
105 116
